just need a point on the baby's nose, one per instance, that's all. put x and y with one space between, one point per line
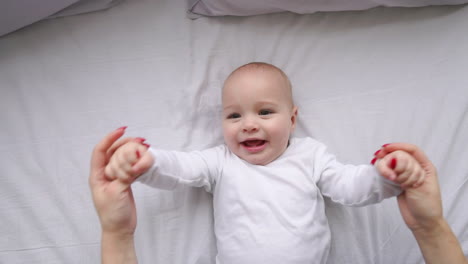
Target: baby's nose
250 125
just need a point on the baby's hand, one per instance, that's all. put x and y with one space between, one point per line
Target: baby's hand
400 167
129 161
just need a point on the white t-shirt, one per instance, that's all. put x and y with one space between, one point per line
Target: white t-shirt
273 213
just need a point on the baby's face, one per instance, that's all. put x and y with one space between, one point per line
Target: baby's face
258 115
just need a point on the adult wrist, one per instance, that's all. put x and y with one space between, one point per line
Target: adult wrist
117 236
439 244
116 230
432 229
118 248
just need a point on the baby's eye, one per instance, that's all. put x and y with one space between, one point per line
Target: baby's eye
265 112
233 115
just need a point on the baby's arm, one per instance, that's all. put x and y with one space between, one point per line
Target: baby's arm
401 168
129 161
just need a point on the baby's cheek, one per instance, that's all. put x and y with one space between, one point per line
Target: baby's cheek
283 135
228 137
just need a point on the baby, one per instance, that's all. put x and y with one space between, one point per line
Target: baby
267 187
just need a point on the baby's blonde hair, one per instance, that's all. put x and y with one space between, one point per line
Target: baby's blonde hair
254 66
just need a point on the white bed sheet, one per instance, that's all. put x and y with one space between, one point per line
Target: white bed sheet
360 79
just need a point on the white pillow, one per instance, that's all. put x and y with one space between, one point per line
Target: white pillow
256 7
15 14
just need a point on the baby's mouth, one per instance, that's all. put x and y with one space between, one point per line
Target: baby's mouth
253 143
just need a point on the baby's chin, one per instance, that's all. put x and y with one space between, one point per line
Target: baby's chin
260 161
257 162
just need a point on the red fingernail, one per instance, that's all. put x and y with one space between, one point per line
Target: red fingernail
146 145
138 154
122 128
377 152
393 163
384 145
140 139
373 161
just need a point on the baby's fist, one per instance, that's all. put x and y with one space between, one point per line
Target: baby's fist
400 167
129 161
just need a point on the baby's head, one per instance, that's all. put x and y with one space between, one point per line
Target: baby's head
258 112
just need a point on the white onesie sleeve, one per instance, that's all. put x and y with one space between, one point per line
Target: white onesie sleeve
197 168
349 184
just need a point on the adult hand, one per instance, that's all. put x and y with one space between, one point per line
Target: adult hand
113 199
421 207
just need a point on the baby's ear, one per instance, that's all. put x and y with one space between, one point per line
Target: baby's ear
294 117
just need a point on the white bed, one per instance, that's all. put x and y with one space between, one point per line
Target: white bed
361 79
